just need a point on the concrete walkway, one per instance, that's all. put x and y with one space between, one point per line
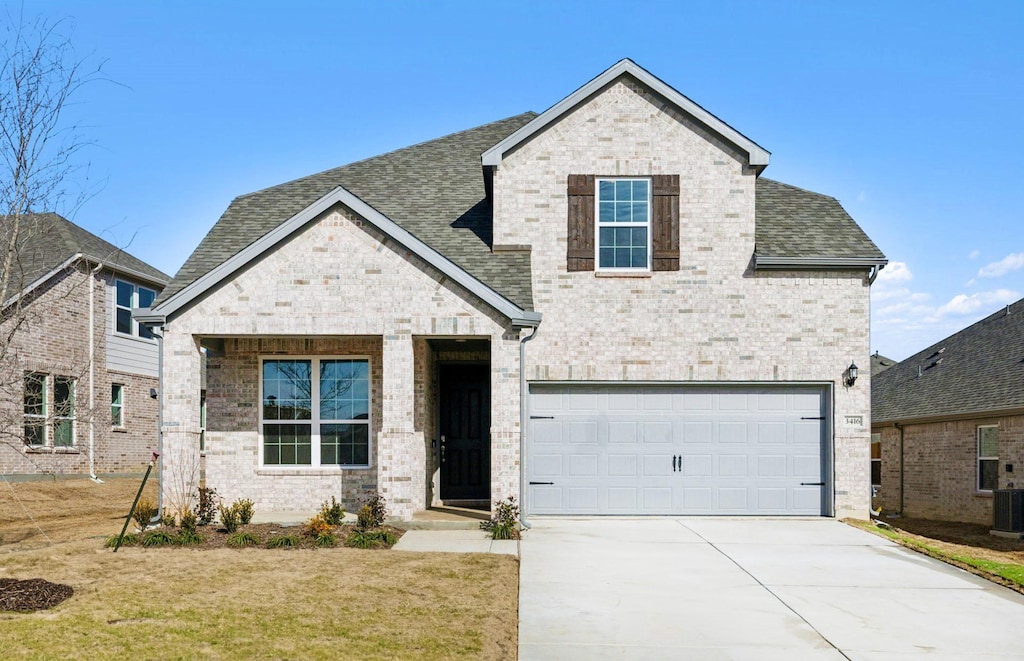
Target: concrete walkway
455 541
674 588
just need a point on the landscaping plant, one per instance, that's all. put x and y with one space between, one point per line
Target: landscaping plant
282 542
206 508
229 518
145 511
240 539
332 512
504 523
373 512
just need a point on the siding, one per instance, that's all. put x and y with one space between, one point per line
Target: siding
128 354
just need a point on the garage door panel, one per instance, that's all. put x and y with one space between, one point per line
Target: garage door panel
623 449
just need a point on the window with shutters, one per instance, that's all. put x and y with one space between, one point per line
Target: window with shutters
623 224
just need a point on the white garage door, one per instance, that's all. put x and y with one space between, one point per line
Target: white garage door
626 449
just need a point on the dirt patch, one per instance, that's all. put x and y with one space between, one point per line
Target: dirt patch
962 539
31 595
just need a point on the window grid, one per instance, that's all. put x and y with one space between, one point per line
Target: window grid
117 405
623 224
35 409
988 457
126 297
328 425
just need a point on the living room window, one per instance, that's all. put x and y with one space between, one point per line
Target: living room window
325 425
117 405
876 460
988 457
128 296
624 224
49 410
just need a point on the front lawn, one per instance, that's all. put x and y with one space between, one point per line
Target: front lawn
252 603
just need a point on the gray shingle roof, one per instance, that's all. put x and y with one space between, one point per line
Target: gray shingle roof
880 363
978 370
433 190
793 222
47 240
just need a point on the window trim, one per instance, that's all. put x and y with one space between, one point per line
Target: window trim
121 406
979 458
136 332
315 420
649 224
44 378
49 415
876 439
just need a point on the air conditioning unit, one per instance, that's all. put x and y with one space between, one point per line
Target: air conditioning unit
1008 510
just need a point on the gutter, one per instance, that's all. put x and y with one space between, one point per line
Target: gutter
768 262
522 426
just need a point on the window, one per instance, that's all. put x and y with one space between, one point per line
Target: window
876 460
49 410
623 224
326 425
117 405
130 296
988 457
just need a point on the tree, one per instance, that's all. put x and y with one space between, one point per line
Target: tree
40 172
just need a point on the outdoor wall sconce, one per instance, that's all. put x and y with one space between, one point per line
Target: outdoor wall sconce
851 375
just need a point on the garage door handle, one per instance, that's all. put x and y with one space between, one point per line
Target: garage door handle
812 484
551 483
820 417
542 417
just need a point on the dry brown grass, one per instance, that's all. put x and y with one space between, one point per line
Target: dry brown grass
255 603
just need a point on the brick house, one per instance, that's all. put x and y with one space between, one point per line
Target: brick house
948 423
77 370
602 308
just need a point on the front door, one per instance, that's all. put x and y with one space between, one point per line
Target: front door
465 432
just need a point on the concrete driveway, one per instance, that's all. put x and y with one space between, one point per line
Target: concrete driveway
716 588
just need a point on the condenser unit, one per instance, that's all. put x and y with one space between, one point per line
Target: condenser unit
1008 510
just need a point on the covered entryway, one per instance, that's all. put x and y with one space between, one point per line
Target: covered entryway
465 422
675 449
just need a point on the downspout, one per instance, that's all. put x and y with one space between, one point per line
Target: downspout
92 374
522 427
159 421
900 427
874 274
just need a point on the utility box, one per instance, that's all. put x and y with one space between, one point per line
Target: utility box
1008 510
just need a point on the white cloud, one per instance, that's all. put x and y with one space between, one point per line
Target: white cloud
895 272
974 254
962 304
862 196
1011 262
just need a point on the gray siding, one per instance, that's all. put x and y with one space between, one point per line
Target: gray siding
132 355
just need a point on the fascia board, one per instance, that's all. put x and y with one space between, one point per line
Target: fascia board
374 217
762 262
944 417
38 281
756 155
138 275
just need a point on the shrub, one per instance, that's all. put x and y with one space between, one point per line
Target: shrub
188 522
282 542
229 518
240 539
318 526
167 520
130 539
504 523
371 539
332 512
373 512
326 539
145 511
158 538
245 510
189 537
206 509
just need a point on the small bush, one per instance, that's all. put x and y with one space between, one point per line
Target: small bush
318 526
229 518
326 539
130 539
332 512
504 523
189 538
240 539
145 512
245 510
158 538
371 539
188 522
206 509
167 520
373 512
282 542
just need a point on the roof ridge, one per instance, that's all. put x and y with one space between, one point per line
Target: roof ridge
798 188
382 155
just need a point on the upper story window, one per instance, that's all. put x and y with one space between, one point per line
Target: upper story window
128 296
623 224
988 457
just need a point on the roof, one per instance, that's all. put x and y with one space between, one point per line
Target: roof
448 210
757 156
795 225
48 241
978 371
880 363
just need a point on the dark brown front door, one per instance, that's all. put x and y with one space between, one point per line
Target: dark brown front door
465 432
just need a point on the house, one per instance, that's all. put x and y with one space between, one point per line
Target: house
880 363
600 309
948 423
77 370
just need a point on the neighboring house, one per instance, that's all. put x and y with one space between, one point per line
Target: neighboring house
606 296
77 371
948 423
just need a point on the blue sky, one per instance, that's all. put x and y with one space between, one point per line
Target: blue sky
907 112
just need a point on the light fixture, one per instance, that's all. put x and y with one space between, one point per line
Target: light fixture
851 375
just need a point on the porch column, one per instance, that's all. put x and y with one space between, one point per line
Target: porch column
401 460
181 383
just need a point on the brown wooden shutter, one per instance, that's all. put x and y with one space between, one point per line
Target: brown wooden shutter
580 254
665 222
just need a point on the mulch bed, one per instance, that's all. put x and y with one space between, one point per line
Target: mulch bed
216 538
32 594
